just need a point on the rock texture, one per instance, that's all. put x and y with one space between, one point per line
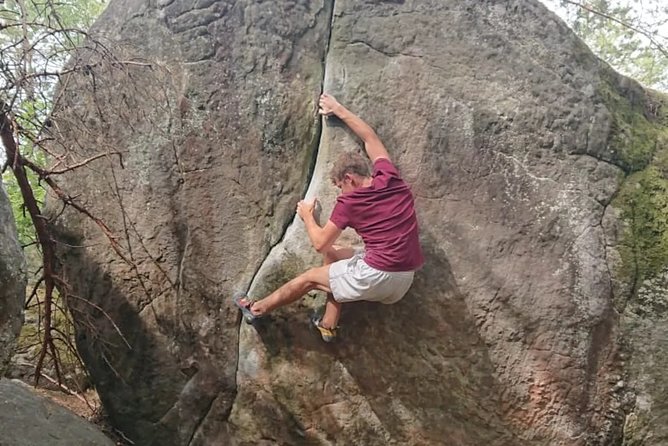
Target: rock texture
497 115
646 327
27 419
13 280
162 340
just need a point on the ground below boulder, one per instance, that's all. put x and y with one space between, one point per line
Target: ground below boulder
27 419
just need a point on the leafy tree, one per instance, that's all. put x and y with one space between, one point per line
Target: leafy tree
45 54
630 35
36 40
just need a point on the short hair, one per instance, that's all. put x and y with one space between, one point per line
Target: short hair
349 162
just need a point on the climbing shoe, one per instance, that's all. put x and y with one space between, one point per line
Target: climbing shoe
327 334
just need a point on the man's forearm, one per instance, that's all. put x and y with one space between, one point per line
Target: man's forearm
314 231
372 143
356 124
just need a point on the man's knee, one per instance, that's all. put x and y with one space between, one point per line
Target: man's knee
305 277
317 278
329 256
336 253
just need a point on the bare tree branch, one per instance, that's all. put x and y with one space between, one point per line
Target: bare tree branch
39 222
72 167
647 34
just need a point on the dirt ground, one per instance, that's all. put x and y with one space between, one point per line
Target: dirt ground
86 405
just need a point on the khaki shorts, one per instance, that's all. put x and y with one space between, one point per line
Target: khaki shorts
352 279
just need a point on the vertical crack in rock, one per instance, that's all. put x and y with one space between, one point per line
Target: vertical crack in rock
320 120
201 420
316 150
315 161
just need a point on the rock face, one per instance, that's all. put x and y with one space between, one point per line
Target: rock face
27 419
499 117
645 325
13 280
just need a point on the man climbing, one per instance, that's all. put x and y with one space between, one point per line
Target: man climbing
379 206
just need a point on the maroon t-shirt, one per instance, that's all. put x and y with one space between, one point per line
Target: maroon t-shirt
383 214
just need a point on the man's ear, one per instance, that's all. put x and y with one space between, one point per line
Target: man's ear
348 177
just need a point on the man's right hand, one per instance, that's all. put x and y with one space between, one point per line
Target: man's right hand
328 105
306 208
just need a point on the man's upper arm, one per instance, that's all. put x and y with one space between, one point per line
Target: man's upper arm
375 149
330 233
385 168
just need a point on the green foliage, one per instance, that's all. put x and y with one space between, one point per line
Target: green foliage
43 17
36 41
628 34
36 38
639 129
620 46
24 225
643 197
643 201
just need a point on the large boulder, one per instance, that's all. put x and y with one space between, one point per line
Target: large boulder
13 280
644 323
28 419
516 140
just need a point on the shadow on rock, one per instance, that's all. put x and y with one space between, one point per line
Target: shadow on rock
419 369
153 372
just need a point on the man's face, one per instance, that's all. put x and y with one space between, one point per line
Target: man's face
346 184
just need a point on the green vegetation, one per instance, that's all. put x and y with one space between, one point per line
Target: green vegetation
621 42
640 133
37 40
627 34
643 200
33 42
23 223
631 37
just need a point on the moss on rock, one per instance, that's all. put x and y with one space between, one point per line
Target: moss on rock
639 138
639 132
286 269
643 200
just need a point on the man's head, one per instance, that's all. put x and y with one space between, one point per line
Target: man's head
350 171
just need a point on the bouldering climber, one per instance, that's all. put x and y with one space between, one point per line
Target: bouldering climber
379 206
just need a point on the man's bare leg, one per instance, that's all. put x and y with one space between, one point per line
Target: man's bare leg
315 278
332 314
